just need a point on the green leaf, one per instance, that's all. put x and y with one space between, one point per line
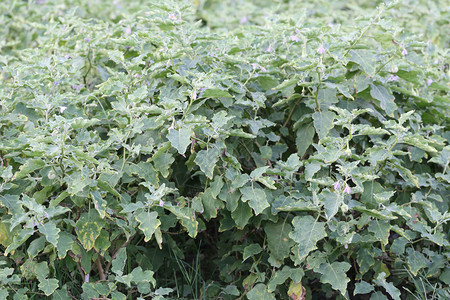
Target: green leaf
116 56
383 215
307 232
278 240
260 292
332 202
143 276
50 231
30 165
416 261
99 203
257 198
388 286
380 229
65 242
102 243
118 263
365 260
251 250
48 286
149 222
216 93
36 246
407 174
365 59
323 122
363 288
88 228
386 99
61 294
370 188
180 139
304 139
378 296
242 214
335 274
163 162
206 160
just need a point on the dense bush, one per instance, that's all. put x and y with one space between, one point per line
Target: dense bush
224 149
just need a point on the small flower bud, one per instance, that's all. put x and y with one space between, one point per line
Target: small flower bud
321 50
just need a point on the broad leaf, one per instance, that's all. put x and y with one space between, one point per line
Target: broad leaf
307 232
149 222
180 138
335 274
206 160
88 228
256 197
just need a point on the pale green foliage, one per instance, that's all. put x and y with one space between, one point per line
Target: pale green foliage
222 149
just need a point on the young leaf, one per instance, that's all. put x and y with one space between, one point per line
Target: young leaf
149 222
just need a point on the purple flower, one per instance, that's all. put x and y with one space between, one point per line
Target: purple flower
67 56
269 49
87 40
172 17
34 224
128 30
161 203
404 52
346 246
336 185
194 95
194 216
77 87
294 38
243 20
46 215
429 82
254 66
393 78
347 189
321 50
263 69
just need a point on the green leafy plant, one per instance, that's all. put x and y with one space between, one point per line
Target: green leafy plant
291 151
